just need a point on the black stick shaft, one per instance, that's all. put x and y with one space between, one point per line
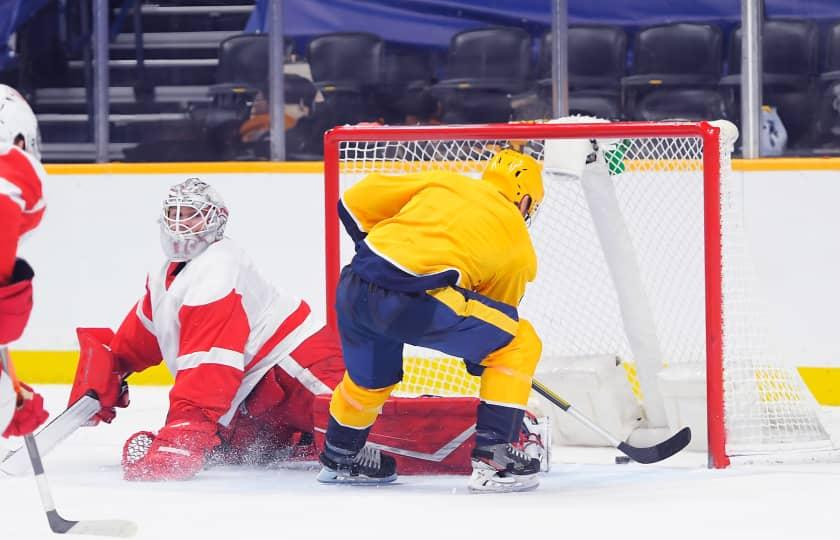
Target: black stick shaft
650 454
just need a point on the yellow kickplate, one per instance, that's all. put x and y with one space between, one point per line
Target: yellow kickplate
59 367
823 382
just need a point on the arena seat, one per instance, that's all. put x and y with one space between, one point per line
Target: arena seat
484 67
789 63
597 62
676 70
827 125
347 67
407 79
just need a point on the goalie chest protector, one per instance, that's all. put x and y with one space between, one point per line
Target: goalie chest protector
426 435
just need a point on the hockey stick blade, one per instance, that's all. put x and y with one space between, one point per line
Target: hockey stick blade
645 454
116 528
658 452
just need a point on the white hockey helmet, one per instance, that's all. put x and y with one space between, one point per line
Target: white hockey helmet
194 216
18 121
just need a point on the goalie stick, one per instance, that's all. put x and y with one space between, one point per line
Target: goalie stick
642 454
59 525
62 426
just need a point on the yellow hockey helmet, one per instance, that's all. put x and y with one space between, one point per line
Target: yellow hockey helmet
515 175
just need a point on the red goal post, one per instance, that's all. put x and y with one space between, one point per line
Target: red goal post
656 157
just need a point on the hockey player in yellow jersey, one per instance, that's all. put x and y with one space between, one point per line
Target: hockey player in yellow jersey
442 261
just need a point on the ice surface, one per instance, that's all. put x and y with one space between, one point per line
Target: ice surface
585 496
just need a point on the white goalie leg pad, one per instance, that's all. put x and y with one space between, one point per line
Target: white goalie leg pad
568 157
486 479
535 439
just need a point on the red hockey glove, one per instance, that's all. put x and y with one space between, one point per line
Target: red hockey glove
29 413
16 302
98 374
176 453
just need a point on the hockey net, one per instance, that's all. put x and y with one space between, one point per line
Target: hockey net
650 266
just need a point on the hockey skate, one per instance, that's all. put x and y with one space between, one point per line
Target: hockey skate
368 466
499 468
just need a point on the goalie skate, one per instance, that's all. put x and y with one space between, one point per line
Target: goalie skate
368 466
501 468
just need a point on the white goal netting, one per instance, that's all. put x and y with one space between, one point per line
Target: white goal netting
622 271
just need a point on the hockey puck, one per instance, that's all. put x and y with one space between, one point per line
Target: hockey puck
622 460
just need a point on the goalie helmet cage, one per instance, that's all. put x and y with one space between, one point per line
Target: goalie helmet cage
647 263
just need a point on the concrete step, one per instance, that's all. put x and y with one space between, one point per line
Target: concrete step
209 9
84 118
80 152
175 40
121 95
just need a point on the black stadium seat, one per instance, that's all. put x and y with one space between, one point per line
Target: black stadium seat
790 51
484 67
347 67
242 74
828 117
243 70
597 62
676 71
408 75
243 62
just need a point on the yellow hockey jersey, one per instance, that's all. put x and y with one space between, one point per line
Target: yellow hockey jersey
427 230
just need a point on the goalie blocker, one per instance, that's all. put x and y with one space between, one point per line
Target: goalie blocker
434 435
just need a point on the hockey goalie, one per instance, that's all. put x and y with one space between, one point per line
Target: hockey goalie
253 372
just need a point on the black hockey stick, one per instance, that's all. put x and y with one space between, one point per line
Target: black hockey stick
59 525
643 454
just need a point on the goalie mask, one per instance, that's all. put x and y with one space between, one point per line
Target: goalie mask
194 216
515 175
17 121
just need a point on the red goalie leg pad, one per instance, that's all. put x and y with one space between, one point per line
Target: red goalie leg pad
426 435
270 424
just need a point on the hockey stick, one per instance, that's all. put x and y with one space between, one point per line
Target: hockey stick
59 525
642 454
62 426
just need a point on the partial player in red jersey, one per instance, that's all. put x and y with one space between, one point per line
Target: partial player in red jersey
21 208
248 359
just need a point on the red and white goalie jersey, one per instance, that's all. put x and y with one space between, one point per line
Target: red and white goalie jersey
219 327
248 361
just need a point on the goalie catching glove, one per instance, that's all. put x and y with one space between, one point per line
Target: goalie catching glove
98 374
177 452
